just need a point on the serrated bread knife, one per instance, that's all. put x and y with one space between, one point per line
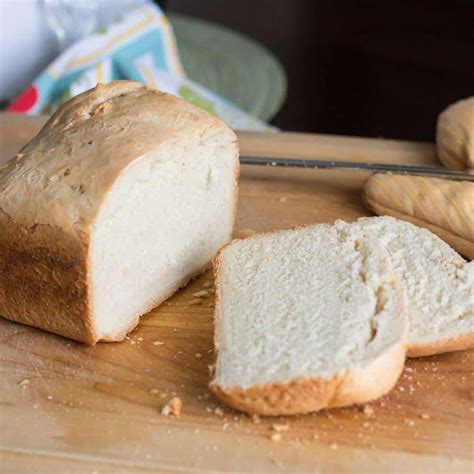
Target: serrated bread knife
415 170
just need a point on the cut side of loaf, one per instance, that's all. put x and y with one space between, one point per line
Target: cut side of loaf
306 319
439 285
125 195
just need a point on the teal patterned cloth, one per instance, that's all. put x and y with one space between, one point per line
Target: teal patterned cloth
140 46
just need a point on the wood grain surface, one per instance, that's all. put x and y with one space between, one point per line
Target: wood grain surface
66 407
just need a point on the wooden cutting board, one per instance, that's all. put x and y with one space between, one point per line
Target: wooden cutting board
66 407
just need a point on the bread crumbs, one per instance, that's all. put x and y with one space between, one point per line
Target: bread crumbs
173 407
158 343
333 446
425 416
207 284
198 355
281 427
24 382
275 437
195 302
200 293
368 410
255 418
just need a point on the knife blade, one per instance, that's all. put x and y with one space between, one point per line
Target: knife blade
415 170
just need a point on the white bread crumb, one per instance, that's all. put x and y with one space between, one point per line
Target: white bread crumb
173 407
195 302
200 293
368 410
255 418
281 427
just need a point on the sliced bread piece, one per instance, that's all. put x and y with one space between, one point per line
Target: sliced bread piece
439 285
306 319
122 197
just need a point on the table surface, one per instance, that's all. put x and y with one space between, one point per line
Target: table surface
66 407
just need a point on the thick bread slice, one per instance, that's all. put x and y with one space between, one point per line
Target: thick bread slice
123 196
306 319
439 285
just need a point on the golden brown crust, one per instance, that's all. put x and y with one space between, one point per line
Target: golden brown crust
307 395
296 397
461 343
455 135
61 177
43 279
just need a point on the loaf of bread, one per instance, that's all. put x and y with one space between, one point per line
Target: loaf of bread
443 206
123 196
306 319
455 135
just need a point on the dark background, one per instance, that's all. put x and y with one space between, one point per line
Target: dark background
370 68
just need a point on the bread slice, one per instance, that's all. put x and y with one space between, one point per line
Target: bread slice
306 319
439 285
122 197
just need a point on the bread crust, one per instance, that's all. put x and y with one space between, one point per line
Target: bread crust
52 190
305 395
455 135
43 279
302 396
460 343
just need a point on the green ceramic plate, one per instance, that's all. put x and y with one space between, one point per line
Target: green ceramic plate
231 65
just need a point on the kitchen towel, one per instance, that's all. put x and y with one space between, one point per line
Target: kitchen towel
140 46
